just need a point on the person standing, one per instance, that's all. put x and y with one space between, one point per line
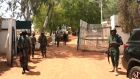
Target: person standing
58 37
19 44
53 38
65 37
30 46
33 39
24 45
115 41
43 43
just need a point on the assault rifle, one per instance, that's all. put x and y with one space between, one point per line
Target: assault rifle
108 55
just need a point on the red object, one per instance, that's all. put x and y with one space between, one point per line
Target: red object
126 46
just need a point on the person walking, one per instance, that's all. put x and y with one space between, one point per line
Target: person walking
43 43
24 45
33 39
30 46
115 41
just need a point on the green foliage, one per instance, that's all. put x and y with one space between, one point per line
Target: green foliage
69 12
110 7
38 19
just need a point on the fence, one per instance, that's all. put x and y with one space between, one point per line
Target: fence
92 36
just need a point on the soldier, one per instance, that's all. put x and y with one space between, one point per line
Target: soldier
30 46
114 43
43 43
33 44
19 44
65 37
58 38
24 45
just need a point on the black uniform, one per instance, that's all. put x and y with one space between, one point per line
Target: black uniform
43 43
24 45
33 45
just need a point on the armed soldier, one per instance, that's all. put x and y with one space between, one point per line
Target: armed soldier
43 43
24 45
114 43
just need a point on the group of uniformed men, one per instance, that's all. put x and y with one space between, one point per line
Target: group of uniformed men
25 44
26 47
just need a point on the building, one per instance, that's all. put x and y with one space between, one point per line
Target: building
8 38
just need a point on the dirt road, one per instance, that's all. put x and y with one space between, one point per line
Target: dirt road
65 62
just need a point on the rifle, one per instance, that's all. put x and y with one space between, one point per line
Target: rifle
108 55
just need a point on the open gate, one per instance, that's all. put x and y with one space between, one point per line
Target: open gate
92 37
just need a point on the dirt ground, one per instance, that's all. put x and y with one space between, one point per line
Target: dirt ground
64 62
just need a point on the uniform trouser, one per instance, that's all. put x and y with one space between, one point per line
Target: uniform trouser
114 53
33 49
24 59
58 43
43 50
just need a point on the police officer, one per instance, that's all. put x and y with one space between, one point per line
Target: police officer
114 43
43 43
24 46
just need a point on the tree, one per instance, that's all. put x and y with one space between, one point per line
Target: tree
59 12
69 12
110 7
81 9
129 15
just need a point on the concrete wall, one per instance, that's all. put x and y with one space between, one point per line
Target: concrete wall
3 37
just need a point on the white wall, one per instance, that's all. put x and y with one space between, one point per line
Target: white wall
6 21
3 37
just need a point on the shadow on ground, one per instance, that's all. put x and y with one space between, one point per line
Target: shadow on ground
122 72
71 51
3 64
33 73
64 51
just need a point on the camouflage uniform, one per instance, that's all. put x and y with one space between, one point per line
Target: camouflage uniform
114 43
43 43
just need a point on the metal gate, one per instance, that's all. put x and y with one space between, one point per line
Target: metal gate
91 37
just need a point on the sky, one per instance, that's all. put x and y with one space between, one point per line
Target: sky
3 8
8 14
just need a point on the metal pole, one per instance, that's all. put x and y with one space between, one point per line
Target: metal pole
101 12
102 18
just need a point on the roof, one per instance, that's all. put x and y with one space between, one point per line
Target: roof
23 24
